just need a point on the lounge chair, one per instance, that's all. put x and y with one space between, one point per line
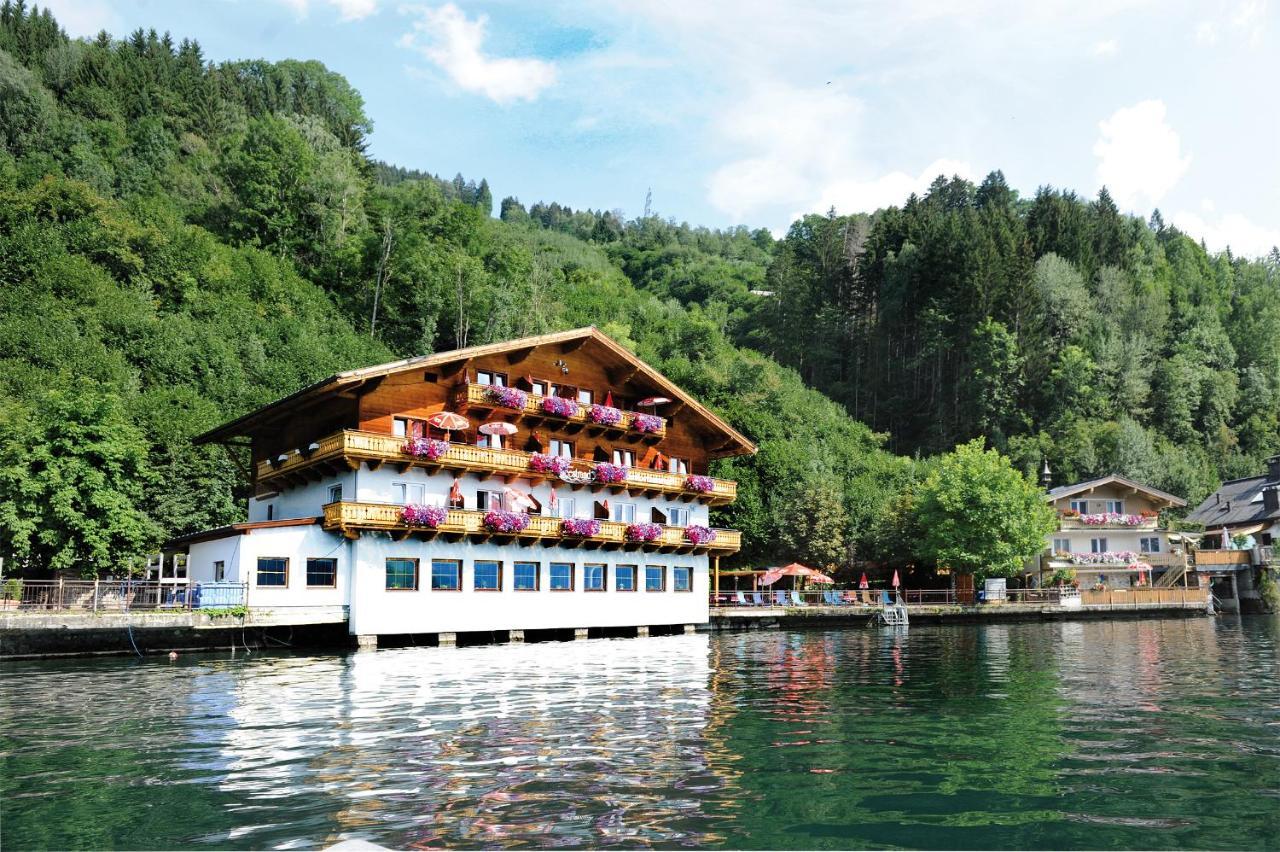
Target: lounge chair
884 598
740 599
757 598
833 598
779 598
849 598
796 600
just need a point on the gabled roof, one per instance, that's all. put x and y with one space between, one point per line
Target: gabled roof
736 443
1067 490
1237 503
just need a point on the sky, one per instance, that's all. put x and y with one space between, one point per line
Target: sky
745 112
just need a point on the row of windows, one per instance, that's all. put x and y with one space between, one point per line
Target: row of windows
487 576
273 572
1112 507
1146 544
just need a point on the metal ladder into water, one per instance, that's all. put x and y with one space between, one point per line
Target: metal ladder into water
894 615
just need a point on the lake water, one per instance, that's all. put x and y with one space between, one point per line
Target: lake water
1142 734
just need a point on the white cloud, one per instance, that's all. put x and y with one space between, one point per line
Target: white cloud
1245 237
1110 47
1139 156
348 10
1207 32
1247 22
83 18
859 196
453 43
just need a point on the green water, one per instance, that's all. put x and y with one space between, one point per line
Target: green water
1124 734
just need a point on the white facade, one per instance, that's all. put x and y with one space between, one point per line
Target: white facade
360 571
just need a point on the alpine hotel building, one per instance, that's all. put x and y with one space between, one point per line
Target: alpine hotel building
592 513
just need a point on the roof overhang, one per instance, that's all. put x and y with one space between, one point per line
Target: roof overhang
235 529
628 367
1094 484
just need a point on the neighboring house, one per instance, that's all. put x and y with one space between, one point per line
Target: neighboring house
1247 509
1109 533
593 514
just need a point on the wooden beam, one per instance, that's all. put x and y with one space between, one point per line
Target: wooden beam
373 464
573 345
515 356
452 368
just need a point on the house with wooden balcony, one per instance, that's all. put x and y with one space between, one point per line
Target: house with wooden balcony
1110 534
1242 534
552 482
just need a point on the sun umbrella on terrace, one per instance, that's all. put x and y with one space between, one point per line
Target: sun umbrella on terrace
863 584
448 422
498 427
608 399
653 401
895 578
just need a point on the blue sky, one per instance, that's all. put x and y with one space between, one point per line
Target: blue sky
745 112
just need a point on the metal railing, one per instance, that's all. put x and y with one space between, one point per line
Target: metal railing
1053 596
351 516
356 446
106 595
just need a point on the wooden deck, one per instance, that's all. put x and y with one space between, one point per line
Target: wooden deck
353 518
350 448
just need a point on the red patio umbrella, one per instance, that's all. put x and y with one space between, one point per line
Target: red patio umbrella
653 401
863 584
498 427
455 493
895 578
608 399
448 422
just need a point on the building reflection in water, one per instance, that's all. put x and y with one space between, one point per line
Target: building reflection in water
574 744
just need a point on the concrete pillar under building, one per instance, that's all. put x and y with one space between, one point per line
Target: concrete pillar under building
690 628
579 633
515 635
642 631
367 642
1235 589
446 640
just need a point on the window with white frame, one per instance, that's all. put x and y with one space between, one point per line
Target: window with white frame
585 396
1081 506
493 442
678 516
1097 545
623 512
675 465
335 493
489 377
407 493
219 571
566 507
538 386
624 458
1115 507
1149 544
489 501
1062 545
563 449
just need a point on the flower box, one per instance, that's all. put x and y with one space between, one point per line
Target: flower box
585 527
643 532
424 516
1111 519
426 448
700 484
506 522
506 397
610 473
1069 513
559 406
544 463
1110 557
697 534
603 415
648 423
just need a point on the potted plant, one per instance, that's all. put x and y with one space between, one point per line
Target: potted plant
506 522
424 516
584 527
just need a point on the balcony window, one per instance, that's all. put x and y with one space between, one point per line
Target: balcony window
538 386
594 577
335 493
655 578
1115 507
492 442
678 516
488 576
526 576
1081 506
273 571
408 427
489 501
675 465
566 508
1062 545
446 575
322 573
1149 544
410 493
562 449
402 575
682 579
561 577
585 396
625 578
624 458
489 377
1098 545
219 571
624 513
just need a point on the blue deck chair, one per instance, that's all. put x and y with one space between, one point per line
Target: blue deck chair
884 598
780 598
830 599
796 599
739 599
757 598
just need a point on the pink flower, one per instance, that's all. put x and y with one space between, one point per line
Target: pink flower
580 526
610 473
643 532
544 463
507 397
506 522
701 484
559 406
604 415
424 516
426 448
650 423
698 534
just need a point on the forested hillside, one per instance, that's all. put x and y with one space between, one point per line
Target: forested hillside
182 241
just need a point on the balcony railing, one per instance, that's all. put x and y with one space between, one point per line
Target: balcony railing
354 518
107 595
1147 525
351 448
1224 557
477 396
1156 559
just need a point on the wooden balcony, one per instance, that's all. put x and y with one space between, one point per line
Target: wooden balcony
1147 559
468 397
352 519
1148 525
1224 557
351 448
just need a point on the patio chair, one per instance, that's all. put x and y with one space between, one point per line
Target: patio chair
740 599
757 598
796 600
779 598
850 598
884 598
833 598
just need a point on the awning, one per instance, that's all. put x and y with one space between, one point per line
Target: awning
1249 530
